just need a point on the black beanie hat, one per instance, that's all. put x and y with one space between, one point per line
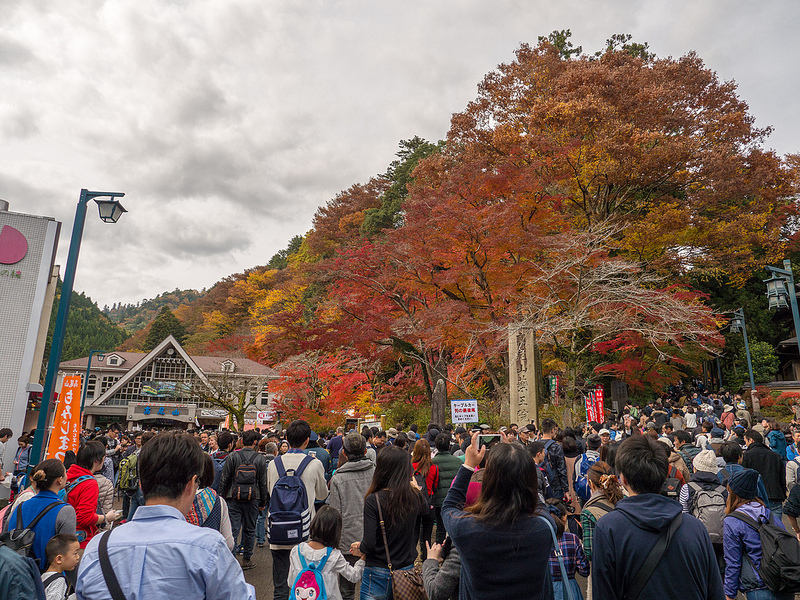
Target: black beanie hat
744 483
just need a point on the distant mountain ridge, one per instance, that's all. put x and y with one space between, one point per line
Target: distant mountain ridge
134 317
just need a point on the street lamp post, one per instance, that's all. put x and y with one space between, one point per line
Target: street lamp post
100 355
777 293
738 324
110 211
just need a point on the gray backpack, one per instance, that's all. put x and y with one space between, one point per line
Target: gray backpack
708 506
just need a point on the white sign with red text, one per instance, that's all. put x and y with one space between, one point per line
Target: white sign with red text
464 411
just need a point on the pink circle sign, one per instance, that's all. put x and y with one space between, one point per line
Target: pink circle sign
13 245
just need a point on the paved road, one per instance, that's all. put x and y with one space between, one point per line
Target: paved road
261 576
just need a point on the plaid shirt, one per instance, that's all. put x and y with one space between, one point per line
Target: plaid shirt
574 558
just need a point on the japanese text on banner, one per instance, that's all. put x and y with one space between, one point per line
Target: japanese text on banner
67 420
464 411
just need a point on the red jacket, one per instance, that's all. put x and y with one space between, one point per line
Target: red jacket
84 499
432 479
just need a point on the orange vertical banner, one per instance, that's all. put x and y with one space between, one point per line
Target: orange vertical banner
67 421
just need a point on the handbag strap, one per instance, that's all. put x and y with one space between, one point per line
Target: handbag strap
652 560
108 571
383 533
560 557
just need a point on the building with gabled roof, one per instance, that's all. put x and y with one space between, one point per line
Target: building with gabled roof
159 387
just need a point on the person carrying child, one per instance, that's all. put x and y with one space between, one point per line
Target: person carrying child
63 554
314 566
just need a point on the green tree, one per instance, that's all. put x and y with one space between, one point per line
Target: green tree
87 328
280 260
164 324
765 362
400 173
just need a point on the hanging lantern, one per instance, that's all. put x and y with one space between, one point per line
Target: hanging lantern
777 296
736 324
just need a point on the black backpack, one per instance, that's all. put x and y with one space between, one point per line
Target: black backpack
672 485
244 481
780 555
20 539
423 484
52 579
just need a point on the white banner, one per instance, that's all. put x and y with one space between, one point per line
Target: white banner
464 411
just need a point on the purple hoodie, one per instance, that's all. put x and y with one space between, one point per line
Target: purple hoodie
739 536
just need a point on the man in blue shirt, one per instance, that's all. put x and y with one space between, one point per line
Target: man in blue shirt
158 554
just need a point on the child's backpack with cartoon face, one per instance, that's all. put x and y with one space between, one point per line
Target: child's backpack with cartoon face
309 584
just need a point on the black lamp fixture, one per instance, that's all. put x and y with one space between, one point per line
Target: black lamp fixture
110 209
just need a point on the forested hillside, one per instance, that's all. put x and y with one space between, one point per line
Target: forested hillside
133 317
87 328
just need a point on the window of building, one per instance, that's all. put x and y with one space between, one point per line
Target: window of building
91 386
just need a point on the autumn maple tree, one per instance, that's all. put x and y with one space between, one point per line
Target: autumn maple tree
323 389
479 233
660 145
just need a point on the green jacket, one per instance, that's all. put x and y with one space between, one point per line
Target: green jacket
448 467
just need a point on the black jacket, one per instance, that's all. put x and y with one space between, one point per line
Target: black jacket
770 466
234 460
624 537
555 454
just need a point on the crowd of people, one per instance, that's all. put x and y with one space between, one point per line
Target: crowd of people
680 498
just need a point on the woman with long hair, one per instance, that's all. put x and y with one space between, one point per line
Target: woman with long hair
501 539
425 471
393 502
741 540
58 517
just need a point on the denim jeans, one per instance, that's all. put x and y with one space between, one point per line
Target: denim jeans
261 527
766 594
776 508
243 518
137 500
376 583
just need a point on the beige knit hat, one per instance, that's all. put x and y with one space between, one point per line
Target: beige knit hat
706 460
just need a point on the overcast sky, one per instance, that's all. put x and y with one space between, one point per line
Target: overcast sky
227 123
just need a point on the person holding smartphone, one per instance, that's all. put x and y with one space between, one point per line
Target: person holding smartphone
502 528
83 492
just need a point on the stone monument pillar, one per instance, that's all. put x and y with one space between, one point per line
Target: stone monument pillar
523 377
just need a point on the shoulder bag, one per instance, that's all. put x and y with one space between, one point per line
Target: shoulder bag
406 584
108 571
652 560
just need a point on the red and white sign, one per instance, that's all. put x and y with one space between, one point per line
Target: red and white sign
266 415
599 411
464 411
594 405
67 422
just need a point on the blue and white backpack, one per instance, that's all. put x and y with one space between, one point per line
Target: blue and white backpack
289 517
582 481
309 584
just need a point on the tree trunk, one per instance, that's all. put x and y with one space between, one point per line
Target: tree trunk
239 416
